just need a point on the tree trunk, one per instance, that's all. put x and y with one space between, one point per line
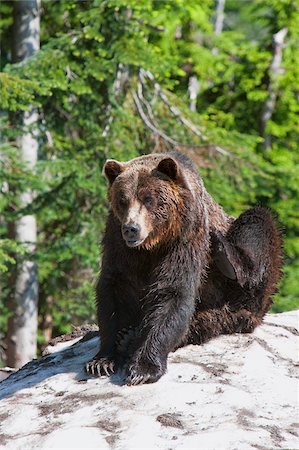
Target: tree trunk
274 71
47 323
219 19
219 16
22 327
193 89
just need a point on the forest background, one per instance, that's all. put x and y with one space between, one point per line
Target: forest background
218 80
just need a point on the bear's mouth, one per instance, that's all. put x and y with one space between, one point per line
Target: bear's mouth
133 242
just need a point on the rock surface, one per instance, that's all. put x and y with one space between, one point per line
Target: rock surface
235 392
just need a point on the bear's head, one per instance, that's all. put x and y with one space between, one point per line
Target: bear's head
151 198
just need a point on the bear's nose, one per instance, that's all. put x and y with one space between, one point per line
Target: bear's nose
131 231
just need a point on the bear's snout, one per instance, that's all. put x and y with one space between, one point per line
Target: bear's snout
131 234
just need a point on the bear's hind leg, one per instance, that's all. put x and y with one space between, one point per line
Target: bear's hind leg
214 322
243 276
249 258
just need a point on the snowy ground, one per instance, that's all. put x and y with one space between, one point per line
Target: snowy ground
235 393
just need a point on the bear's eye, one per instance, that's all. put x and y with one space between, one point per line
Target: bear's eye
123 202
148 201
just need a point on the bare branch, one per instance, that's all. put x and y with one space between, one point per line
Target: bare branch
173 109
49 138
120 79
149 25
140 86
148 123
176 112
108 123
222 150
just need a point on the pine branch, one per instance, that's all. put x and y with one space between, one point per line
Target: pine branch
40 201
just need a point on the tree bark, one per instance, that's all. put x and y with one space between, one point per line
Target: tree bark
22 326
274 71
47 324
194 83
193 89
219 16
219 19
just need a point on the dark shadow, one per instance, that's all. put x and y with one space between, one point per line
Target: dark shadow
72 359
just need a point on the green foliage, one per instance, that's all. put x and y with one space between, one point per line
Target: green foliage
85 47
8 248
16 93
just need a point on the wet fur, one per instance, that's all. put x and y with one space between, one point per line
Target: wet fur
199 274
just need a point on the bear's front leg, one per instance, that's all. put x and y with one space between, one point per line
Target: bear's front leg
162 329
144 368
104 362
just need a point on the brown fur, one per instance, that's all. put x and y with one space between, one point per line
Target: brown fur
176 269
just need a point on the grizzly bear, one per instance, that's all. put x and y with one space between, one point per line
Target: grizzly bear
176 269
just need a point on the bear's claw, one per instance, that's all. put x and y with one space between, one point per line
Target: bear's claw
142 372
133 379
100 367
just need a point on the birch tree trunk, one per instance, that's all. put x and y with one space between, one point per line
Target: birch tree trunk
219 19
219 16
274 71
193 89
194 83
22 327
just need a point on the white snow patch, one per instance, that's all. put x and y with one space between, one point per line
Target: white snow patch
236 392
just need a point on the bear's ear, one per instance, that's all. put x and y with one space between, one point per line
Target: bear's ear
112 169
170 168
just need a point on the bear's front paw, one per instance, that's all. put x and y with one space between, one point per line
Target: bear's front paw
144 371
100 366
